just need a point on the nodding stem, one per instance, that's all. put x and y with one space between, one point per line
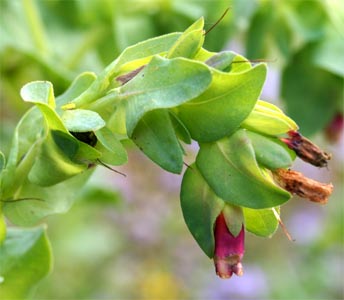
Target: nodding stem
108 167
217 22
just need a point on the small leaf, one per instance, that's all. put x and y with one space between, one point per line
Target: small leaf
224 105
25 258
230 168
221 61
261 222
38 92
155 136
200 206
190 42
179 81
112 150
82 120
271 152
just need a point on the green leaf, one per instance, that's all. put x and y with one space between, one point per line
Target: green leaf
82 120
38 92
230 168
308 19
155 136
41 93
42 201
221 61
25 258
65 142
311 94
25 145
154 46
326 52
224 105
200 206
268 119
271 152
78 86
261 222
190 42
52 164
179 80
112 150
258 32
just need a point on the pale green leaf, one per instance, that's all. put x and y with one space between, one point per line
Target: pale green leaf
25 258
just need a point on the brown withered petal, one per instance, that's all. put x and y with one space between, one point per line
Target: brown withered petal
296 183
129 76
306 150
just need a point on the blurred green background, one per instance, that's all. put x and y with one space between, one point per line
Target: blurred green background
125 238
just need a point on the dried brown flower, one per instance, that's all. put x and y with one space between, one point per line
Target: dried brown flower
296 183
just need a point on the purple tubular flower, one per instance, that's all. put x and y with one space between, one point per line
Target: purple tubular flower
305 149
229 250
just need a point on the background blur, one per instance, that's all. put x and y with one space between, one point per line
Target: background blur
125 238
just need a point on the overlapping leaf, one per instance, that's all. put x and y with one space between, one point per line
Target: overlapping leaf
230 168
200 206
220 109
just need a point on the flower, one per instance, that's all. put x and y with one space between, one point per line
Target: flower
229 249
305 149
335 128
296 183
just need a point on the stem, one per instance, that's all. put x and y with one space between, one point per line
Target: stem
36 26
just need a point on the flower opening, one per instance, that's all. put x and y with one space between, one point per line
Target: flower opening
229 249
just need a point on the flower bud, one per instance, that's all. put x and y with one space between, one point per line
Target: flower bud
229 250
296 183
305 149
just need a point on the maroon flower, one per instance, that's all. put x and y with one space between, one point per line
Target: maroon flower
334 130
305 149
229 249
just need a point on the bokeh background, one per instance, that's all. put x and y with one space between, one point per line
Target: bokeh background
125 238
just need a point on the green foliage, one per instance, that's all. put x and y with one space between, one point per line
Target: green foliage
225 96
307 36
261 222
159 93
25 258
242 181
200 206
